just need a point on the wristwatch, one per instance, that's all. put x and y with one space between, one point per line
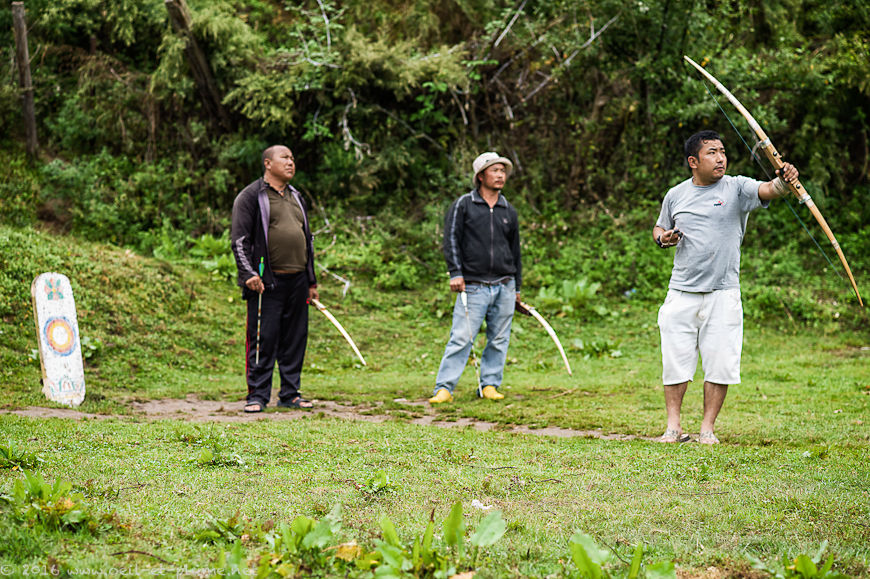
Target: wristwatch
659 241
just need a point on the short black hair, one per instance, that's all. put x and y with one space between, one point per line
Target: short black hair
267 153
693 143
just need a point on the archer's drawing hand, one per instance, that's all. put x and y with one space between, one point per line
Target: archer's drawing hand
255 284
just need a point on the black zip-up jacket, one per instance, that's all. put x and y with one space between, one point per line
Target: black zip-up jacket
481 243
250 231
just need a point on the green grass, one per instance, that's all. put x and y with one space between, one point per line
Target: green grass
696 505
791 473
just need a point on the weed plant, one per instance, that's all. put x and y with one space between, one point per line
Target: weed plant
17 458
55 507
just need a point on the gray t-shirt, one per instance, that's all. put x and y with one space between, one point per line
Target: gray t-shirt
713 221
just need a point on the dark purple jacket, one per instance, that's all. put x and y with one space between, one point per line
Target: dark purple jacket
250 231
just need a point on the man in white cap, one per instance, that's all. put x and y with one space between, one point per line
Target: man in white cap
482 249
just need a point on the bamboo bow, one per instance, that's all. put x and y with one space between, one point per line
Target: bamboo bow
322 309
776 160
525 308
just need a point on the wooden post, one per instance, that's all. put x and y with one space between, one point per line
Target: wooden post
22 56
179 16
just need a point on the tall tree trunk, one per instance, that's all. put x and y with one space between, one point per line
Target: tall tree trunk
179 15
22 56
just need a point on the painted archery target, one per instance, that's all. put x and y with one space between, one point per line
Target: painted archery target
60 336
60 354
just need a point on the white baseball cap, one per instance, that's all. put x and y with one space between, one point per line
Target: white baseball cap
487 159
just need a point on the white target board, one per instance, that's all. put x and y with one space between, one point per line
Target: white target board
57 328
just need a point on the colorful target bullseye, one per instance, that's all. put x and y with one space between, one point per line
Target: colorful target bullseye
60 336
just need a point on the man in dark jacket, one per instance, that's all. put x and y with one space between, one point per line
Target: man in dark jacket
482 249
272 243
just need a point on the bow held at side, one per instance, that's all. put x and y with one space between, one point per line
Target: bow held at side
776 160
322 309
525 308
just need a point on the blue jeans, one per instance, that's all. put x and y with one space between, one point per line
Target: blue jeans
496 305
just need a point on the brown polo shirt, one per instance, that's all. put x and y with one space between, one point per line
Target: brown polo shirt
287 250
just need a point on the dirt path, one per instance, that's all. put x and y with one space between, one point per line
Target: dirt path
192 409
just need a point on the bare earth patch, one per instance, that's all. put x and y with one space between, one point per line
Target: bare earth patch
193 409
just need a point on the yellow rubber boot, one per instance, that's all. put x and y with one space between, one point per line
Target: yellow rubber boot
490 393
443 395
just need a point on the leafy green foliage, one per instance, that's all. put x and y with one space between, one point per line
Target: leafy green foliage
227 530
219 456
18 191
233 565
18 459
593 562
91 348
742 482
393 252
801 567
379 484
385 105
573 297
489 531
303 545
124 23
310 546
423 558
116 199
53 507
454 528
597 348
214 253
214 448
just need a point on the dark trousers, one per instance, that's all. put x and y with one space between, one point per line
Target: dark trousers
283 338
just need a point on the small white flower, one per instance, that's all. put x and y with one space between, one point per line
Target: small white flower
479 505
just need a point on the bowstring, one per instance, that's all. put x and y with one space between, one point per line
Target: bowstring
752 152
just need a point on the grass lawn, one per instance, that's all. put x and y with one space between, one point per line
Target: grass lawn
791 472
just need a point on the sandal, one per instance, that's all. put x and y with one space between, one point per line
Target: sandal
298 402
254 407
707 437
671 436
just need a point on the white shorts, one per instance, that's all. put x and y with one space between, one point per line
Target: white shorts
707 323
